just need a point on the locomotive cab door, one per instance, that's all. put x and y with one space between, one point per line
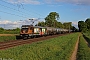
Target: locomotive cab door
31 31
42 31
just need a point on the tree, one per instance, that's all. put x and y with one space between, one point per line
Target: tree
67 25
82 26
1 29
74 29
50 20
60 25
17 29
41 24
88 23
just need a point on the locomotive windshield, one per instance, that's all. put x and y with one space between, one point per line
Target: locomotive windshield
24 29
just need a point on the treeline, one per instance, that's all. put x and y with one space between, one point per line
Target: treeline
52 21
9 31
84 26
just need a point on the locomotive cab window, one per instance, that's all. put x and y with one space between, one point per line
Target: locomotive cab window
24 29
31 28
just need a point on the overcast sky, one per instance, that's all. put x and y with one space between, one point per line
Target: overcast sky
14 13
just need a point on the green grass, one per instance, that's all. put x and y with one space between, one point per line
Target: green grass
83 50
9 32
59 48
87 37
7 38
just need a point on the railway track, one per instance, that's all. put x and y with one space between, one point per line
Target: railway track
5 45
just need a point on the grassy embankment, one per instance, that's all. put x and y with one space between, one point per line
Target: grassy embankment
7 38
59 48
84 48
8 35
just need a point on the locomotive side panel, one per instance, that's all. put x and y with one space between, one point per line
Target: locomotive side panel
39 30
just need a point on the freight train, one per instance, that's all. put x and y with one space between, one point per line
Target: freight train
29 31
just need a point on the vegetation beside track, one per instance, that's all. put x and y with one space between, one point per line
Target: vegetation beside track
8 34
84 48
7 38
87 36
9 31
54 49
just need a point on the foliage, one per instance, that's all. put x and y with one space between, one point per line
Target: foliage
51 19
74 29
82 26
41 24
88 23
1 29
59 48
17 29
83 50
7 38
60 25
9 31
67 25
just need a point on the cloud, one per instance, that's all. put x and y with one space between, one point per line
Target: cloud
76 2
8 24
75 23
34 2
14 24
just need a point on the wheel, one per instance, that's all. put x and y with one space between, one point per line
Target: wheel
24 38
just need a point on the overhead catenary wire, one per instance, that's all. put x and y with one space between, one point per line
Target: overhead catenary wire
18 5
12 14
28 10
15 10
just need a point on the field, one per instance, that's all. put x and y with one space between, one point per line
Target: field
8 35
84 47
8 31
59 48
5 38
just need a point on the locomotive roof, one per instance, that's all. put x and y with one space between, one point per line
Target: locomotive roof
39 27
26 25
32 26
